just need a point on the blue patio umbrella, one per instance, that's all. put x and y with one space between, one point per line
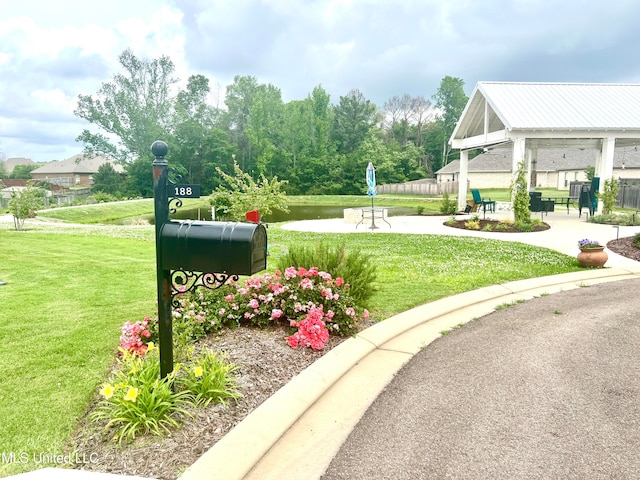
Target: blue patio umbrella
371 190
371 181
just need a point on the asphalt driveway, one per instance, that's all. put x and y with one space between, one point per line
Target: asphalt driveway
548 388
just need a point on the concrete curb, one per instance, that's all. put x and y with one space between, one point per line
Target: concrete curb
298 430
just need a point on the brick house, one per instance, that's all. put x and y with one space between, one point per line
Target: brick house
76 171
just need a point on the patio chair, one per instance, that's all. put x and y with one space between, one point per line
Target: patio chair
482 202
536 204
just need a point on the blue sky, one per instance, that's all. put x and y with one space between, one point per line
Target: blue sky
50 52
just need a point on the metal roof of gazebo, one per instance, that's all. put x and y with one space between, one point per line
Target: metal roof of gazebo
538 115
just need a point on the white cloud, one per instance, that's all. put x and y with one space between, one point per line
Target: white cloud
52 51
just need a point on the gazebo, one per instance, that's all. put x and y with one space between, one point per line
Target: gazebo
542 115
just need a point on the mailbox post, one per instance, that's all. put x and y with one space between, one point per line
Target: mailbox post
192 254
161 213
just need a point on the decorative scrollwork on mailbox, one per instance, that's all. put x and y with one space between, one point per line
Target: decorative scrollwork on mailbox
183 281
177 205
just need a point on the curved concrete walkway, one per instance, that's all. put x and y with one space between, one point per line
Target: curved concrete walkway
297 432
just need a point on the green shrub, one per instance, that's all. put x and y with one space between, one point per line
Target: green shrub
624 219
636 239
472 224
208 377
609 195
504 225
524 226
448 206
420 209
102 197
137 401
520 196
355 267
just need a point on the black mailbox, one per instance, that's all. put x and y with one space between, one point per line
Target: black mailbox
214 247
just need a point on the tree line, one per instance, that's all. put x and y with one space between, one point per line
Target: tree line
316 146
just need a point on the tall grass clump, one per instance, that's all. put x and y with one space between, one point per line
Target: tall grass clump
357 268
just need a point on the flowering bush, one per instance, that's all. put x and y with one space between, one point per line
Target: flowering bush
311 301
586 243
297 297
136 400
135 336
312 331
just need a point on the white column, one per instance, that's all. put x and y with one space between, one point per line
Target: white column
604 165
604 168
529 155
463 179
518 156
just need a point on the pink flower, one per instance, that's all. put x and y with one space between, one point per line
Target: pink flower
253 303
339 281
350 311
276 313
365 314
229 298
312 331
290 273
306 284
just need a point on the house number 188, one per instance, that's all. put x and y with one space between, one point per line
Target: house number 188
184 191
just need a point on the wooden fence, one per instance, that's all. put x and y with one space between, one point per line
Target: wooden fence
419 187
628 193
628 196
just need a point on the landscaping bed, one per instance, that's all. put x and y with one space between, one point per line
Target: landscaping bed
494 226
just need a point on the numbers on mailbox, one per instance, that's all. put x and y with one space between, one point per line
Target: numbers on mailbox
183 191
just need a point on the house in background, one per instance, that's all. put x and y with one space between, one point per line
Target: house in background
76 171
10 163
53 194
554 167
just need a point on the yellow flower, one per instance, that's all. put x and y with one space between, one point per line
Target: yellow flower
132 394
107 391
197 370
150 346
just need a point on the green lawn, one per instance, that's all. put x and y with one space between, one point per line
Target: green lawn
70 289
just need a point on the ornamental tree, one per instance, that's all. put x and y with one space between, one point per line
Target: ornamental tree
24 204
242 194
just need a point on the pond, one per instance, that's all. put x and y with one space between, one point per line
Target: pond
296 212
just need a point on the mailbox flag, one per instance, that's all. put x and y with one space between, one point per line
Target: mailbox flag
371 180
253 216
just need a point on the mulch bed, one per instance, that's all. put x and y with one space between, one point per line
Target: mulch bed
625 247
493 224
